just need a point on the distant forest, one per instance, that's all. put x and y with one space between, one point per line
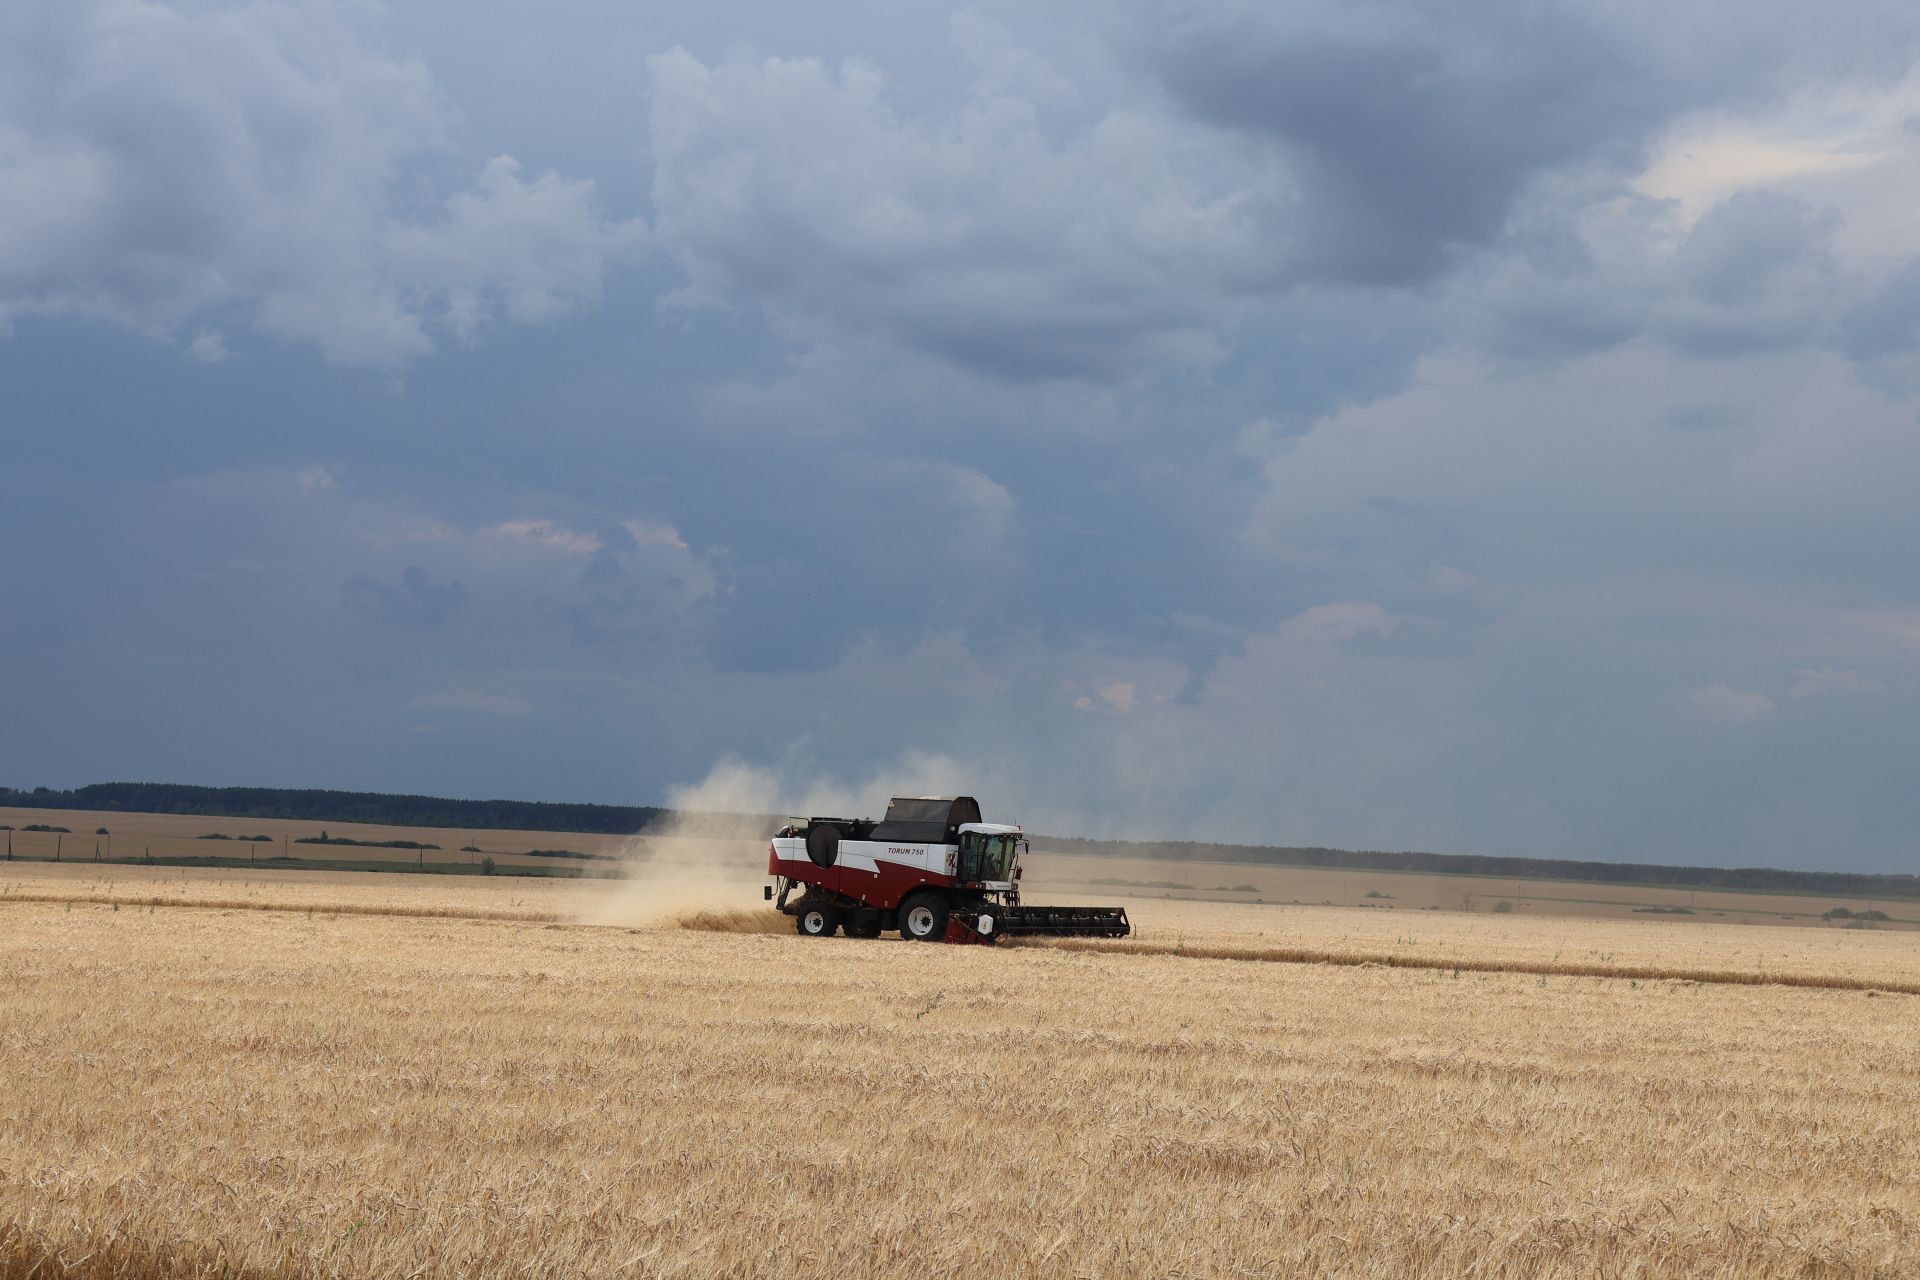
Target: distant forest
374 807
607 819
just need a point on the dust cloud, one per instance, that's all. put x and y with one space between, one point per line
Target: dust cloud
702 869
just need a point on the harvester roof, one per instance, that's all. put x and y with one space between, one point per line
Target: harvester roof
926 819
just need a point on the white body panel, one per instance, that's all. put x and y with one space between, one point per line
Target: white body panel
866 855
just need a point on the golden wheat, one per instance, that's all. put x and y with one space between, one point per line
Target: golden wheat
252 1092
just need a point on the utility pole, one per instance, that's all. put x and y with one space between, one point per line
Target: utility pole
58 840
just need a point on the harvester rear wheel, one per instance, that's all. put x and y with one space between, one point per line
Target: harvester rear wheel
864 926
923 918
815 920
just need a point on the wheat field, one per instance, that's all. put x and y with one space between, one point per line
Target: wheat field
329 1075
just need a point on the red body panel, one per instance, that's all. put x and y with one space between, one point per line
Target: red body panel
960 929
885 887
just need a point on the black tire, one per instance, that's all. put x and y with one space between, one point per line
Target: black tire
923 918
823 843
864 926
816 920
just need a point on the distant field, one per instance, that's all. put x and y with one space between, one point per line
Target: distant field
329 1074
165 835
1061 877
1398 892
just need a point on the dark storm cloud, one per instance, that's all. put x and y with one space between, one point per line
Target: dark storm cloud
1412 129
1380 145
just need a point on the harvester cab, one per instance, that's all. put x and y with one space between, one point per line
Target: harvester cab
932 869
990 857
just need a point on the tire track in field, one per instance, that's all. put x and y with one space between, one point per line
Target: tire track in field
1549 968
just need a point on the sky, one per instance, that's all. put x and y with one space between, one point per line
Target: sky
1377 424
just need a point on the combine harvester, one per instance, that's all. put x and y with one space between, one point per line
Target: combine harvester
930 869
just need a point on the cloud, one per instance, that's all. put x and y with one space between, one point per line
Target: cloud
1723 704
545 533
1756 272
167 161
988 505
316 479
857 547
1881 327
1408 131
642 582
1820 682
421 601
525 252
805 190
1507 156
1337 622
1412 131
1522 477
207 347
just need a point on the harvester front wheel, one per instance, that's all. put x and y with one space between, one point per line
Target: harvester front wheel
924 919
815 920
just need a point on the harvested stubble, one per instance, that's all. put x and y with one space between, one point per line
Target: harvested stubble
246 1092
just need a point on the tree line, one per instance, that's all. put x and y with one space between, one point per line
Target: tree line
374 807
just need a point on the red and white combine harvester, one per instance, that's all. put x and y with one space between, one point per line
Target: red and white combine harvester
930 869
